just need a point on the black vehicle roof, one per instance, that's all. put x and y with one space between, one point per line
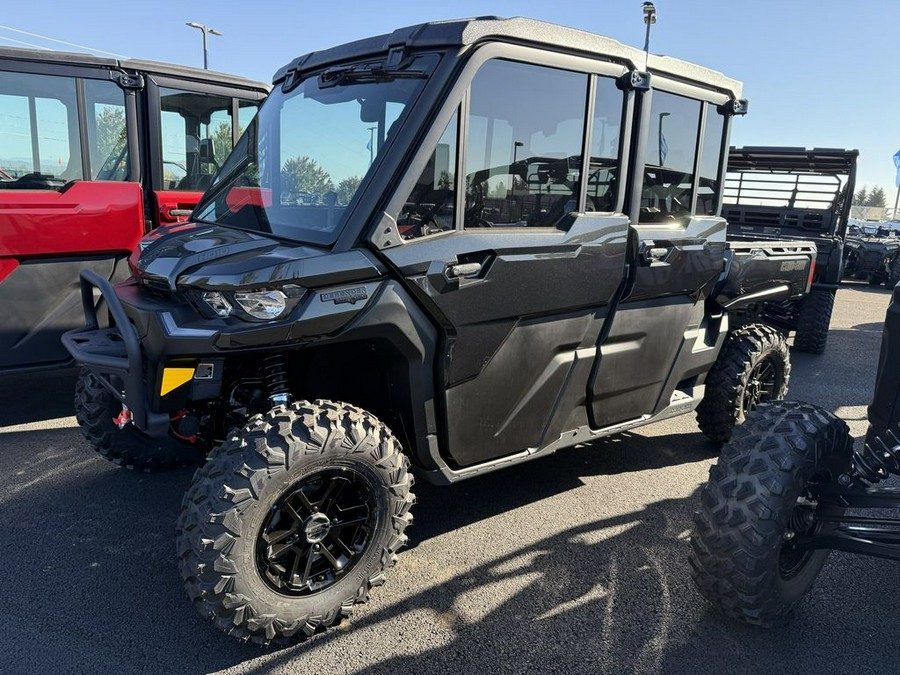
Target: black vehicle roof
518 30
89 60
832 161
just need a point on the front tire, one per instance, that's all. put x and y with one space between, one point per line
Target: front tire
753 367
813 322
741 557
95 408
894 276
293 520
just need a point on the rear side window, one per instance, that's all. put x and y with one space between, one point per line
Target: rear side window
671 155
525 138
605 141
708 184
39 141
196 137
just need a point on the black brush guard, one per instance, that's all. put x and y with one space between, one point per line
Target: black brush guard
113 354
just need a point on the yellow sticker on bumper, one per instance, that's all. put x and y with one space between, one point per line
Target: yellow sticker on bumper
173 378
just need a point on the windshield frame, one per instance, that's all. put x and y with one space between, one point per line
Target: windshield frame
245 151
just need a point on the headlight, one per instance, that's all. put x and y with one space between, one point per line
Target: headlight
262 304
217 302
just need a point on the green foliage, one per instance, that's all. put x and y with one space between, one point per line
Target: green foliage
861 196
303 174
876 197
347 188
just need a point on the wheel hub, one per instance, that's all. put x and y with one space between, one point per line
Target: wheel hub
316 528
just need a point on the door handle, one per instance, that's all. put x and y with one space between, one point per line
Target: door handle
463 270
650 254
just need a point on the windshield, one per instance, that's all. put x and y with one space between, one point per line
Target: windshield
302 160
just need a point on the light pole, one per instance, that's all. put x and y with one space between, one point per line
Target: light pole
205 30
372 144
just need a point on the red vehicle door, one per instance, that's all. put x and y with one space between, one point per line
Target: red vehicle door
66 201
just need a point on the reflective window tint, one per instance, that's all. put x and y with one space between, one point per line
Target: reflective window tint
39 141
708 184
669 161
430 207
525 136
605 141
106 127
196 137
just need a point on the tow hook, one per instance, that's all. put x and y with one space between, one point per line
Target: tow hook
123 419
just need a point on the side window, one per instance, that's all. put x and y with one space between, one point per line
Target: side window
605 141
708 183
246 112
39 142
106 128
525 137
196 137
430 207
671 153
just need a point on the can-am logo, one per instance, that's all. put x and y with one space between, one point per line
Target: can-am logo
351 295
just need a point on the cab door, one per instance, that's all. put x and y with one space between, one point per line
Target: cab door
661 337
68 200
514 253
192 127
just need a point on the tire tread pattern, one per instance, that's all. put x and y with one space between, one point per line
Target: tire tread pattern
813 322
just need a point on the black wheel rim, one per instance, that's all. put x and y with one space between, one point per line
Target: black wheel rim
801 523
316 532
763 384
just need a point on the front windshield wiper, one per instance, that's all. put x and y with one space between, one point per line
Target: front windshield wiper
370 72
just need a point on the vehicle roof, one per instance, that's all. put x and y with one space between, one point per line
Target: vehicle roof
834 161
519 30
89 60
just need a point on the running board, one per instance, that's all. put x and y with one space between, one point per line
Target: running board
681 403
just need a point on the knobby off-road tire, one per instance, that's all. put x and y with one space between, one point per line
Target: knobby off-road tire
95 408
740 557
226 530
734 384
813 322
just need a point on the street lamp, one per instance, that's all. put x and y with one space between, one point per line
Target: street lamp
662 138
205 30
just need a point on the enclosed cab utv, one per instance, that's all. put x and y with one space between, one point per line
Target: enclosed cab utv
795 193
777 499
457 247
94 153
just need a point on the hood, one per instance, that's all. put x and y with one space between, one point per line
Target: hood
205 256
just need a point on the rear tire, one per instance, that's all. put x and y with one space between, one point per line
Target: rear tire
734 384
813 322
740 558
95 408
293 520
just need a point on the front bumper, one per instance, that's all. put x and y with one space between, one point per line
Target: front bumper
113 354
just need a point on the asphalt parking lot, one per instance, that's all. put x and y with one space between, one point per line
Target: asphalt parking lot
575 563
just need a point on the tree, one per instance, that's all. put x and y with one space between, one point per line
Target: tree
876 197
107 158
347 188
861 197
303 174
221 138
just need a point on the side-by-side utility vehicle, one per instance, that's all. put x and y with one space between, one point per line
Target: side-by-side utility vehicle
94 153
795 193
456 247
777 500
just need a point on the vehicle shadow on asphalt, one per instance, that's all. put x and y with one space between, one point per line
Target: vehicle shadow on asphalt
37 396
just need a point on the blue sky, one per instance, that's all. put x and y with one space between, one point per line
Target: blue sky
817 72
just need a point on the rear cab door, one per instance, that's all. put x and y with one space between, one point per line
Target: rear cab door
191 126
69 197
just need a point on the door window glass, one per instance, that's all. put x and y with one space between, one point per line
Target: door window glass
430 207
710 155
106 128
196 137
605 141
523 161
39 142
669 162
